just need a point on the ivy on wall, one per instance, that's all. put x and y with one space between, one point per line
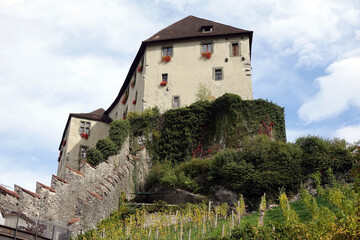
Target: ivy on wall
223 123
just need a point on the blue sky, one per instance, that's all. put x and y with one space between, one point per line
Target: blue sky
58 57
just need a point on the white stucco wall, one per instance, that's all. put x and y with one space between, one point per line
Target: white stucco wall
119 109
2 219
187 69
70 156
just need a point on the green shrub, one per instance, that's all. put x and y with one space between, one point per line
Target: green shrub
119 131
224 123
106 147
319 154
263 166
162 174
94 156
141 123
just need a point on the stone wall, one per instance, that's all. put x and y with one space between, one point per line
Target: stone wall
76 203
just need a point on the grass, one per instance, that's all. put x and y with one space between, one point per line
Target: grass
275 215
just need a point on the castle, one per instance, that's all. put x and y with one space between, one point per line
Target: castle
167 71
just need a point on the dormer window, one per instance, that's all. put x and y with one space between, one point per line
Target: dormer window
206 28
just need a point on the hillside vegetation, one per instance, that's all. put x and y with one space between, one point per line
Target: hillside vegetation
240 145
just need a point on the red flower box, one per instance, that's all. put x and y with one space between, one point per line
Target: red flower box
163 83
166 59
134 102
140 68
132 84
206 54
125 98
84 135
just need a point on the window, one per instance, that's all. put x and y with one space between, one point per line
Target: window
206 28
167 51
218 74
207 47
234 49
84 127
125 113
176 101
83 152
164 77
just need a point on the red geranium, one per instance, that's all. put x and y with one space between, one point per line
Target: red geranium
166 59
134 102
140 68
163 83
206 54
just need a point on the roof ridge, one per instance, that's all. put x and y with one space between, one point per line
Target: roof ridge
27 191
47 187
60 179
7 191
95 195
76 171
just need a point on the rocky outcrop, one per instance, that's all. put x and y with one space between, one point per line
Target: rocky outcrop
171 196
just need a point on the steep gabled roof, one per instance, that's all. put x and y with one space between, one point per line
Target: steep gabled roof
192 27
97 115
186 28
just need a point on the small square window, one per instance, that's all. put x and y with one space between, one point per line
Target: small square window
176 101
83 152
164 77
235 49
207 47
84 127
218 74
167 51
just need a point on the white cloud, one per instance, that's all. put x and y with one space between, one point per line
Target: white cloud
350 133
337 91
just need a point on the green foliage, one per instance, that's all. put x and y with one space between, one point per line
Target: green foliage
225 122
141 123
319 154
180 131
190 175
204 93
106 147
94 156
263 166
119 131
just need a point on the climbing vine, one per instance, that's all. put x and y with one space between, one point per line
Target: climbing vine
204 127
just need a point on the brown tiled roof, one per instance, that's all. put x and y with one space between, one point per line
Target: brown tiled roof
47 187
95 195
27 191
5 191
82 160
73 220
76 171
192 27
97 115
60 179
80 199
186 28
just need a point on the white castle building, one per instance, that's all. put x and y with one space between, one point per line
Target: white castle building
167 71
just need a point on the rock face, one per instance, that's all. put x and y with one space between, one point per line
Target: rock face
75 204
310 186
171 196
221 195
